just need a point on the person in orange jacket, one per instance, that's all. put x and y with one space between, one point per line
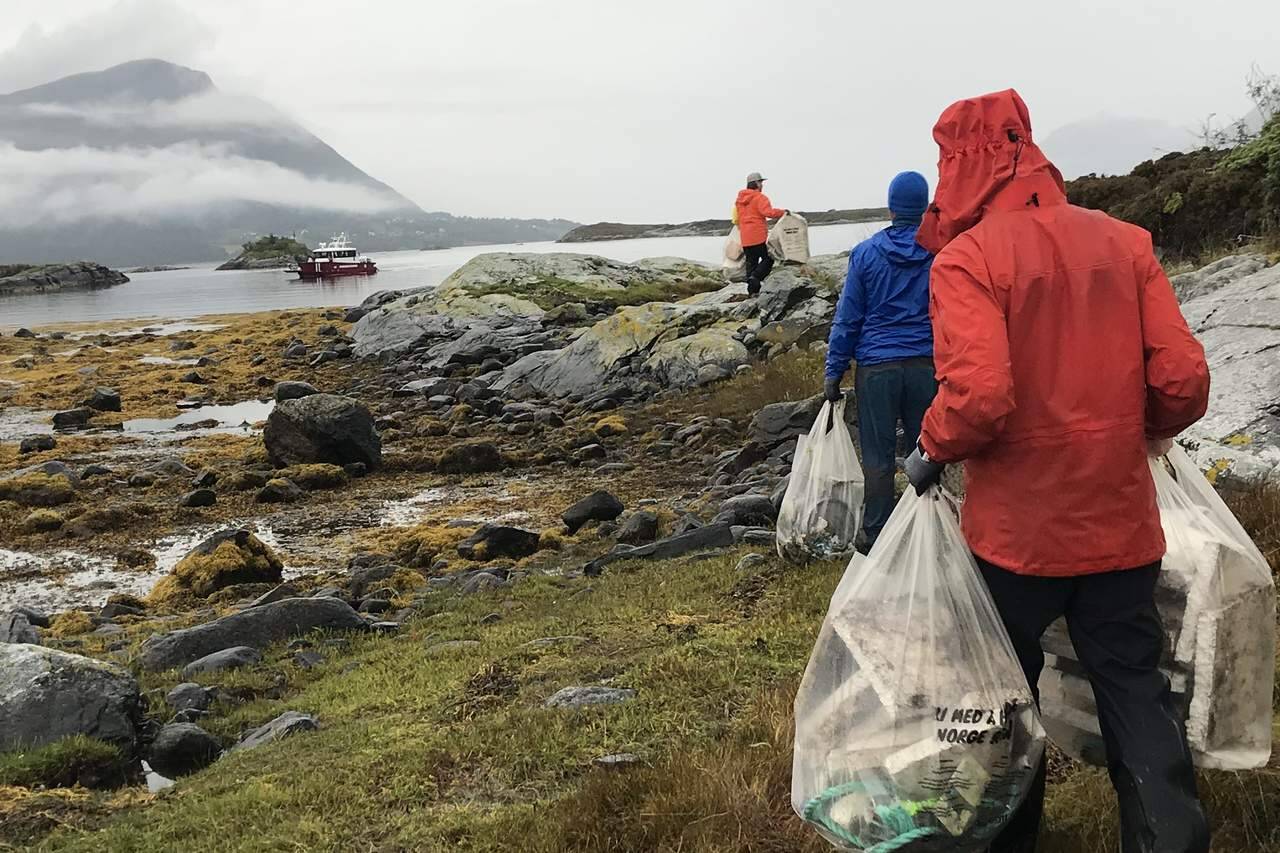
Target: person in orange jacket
751 209
1063 361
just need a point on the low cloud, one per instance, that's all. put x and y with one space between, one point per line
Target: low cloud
127 30
208 110
76 184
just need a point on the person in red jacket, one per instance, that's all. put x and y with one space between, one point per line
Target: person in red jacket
1063 360
751 209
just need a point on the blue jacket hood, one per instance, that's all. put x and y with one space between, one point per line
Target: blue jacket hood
899 246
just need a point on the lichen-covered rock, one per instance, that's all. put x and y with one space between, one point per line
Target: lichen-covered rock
226 558
322 428
47 694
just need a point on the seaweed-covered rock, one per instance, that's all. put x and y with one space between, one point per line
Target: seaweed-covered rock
475 457
322 428
46 695
226 558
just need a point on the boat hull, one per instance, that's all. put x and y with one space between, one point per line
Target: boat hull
335 269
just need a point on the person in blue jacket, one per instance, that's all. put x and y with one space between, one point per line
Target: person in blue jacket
882 321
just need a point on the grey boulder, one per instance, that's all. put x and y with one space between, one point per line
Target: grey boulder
15 627
322 428
598 506
46 695
290 390
227 659
288 723
258 627
182 748
579 697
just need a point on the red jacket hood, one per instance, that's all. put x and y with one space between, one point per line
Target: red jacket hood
744 195
987 160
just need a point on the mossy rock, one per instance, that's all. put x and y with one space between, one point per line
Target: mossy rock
73 623
42 521
610 426
419 546
320 475
66 763
225 559
37 489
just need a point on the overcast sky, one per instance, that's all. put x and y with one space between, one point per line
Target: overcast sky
654 111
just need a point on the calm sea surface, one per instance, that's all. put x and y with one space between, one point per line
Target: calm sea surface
203 290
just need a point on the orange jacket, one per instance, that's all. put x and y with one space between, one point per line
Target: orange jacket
1060 348
753 209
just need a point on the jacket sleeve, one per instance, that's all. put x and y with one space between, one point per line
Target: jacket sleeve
971 356
847 327
1176 372
766 209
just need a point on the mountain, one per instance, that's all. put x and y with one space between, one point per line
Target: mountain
1113 145
149 162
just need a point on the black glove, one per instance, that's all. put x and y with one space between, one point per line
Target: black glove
922 471
831 390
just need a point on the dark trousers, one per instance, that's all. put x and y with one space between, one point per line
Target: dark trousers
887 393
1117 634
759 265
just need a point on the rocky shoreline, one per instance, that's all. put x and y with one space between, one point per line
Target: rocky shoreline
601 231
537 419
52 278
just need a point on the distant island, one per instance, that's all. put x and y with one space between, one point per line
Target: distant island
51 278
709 227
268 253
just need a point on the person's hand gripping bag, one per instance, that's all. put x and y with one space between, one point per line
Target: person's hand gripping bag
915 728
822 509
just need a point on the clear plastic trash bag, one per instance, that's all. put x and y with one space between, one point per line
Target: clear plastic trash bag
735 259
822 509
1217 600
915 727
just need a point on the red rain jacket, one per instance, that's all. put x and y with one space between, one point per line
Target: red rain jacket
753 209
1060 348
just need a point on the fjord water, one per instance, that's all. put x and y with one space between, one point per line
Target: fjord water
203 290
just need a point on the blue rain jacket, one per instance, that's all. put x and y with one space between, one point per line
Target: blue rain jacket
883 313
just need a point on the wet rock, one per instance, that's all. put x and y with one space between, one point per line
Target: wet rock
72 418
257 627
171 466
95 470
355 469
24 333
223 661
591 453
598 506
37 444
297 349
180 345
279 491
287 724
103 400
180 749
35 617
279 593
748 510
290 390
141 480
226 558
640 528
205 479
475 457
189 695
702 538
322 428
16 628
580 697
199 498
46 695
193 378
496 541
244 481
374 605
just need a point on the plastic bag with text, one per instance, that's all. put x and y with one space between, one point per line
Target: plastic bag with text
789 239
915 727
1216 595
822 509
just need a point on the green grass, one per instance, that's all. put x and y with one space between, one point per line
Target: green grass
420 750
71 761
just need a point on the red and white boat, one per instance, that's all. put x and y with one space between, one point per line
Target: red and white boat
336 258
